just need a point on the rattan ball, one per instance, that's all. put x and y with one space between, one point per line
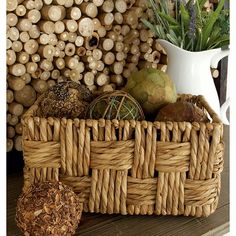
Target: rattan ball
48 208
65 99
115 105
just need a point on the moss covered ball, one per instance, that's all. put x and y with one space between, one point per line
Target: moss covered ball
152 88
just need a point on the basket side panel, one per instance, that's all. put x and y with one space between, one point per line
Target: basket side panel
111 157
41 149
206 163
142 182
172 164
127 167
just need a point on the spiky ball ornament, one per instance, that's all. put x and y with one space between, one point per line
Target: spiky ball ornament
65 99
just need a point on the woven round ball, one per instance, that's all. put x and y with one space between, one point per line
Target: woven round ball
115 105
48 208
65 99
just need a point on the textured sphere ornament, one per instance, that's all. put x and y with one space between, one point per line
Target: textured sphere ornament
115 105
181 111
152 88
65 99
48 208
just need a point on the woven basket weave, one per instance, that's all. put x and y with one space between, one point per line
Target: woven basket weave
129 167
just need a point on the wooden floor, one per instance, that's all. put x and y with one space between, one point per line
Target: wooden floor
116 225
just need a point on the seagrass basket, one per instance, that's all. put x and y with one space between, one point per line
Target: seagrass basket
129 167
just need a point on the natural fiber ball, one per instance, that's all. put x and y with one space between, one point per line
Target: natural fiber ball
65 99
115 105
48 208
181 111
152 88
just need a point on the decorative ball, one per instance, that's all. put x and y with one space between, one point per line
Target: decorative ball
65 99
181 111
115 105
152 88
48 208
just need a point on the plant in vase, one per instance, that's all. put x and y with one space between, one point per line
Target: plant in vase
195 40
192 28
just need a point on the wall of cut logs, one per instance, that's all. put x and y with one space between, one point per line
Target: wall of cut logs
98 43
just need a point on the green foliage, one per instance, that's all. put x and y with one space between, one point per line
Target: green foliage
192 28
208 27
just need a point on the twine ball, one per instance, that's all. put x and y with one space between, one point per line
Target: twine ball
65 99
48 208
115 105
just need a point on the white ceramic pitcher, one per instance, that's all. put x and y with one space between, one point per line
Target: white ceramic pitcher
191 73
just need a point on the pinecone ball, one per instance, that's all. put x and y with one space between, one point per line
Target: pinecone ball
48 208
65 99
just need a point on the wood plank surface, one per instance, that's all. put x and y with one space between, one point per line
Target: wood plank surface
117 225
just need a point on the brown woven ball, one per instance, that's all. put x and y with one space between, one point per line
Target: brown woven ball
65 99
48 208
115 105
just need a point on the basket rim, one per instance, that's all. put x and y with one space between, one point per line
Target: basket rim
30 113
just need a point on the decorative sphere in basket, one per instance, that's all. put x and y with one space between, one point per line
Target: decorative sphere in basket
152 88
48 208
181 111
115 105
65 99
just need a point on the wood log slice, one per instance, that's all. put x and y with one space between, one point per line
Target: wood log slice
10 144
89 9
11 5
59 27
74 13
47 27
34 16
10 96
24 24
34 32
86 27
12 19
22 57
12 119
11 57
25 96
16 108
20 10
17 69
31 46
39 85
18 143
53 12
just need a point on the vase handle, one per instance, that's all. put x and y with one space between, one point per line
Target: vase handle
214 64
218 56
223 110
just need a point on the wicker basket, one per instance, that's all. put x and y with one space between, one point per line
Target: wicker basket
129 167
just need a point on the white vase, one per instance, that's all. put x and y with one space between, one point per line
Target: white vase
191 73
